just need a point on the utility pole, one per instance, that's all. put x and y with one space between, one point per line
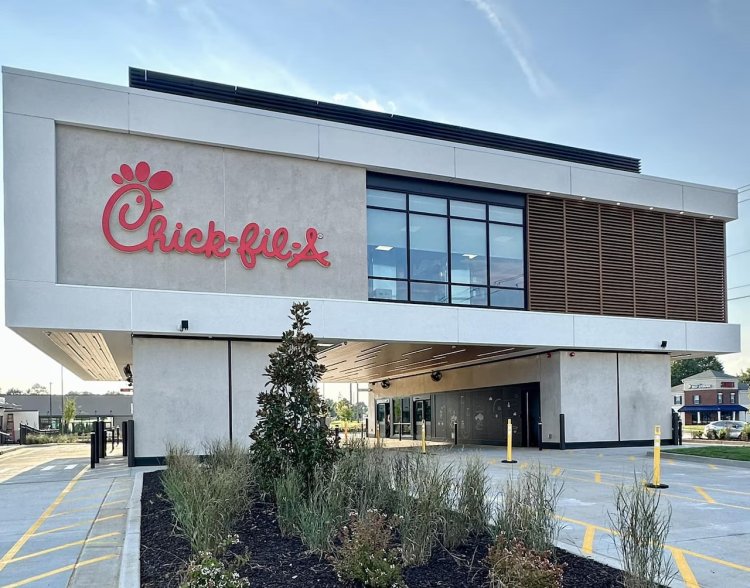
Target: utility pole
50 405
62 398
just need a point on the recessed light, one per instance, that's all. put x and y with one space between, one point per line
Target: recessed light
618 204
583 198
470 255
712 216
547 193
384 247
650 207
682 212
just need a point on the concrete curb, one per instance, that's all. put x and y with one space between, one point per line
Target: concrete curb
130 563
735 463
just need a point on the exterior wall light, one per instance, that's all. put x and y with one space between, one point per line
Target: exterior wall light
663 344
572 354
183 325
436 376
385 384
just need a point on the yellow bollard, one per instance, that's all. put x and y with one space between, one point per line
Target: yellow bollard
656 482
346 431
377 433
424 437
509 444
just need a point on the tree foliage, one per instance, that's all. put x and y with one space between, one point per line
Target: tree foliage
345 410
69 412
685 368
744 375
289 432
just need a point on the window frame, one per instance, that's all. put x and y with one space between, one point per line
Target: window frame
451 193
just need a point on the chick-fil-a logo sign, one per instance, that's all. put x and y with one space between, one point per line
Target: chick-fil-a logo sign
211 242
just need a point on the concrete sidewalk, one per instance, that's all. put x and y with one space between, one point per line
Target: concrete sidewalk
63 523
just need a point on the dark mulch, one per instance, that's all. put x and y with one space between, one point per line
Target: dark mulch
278 561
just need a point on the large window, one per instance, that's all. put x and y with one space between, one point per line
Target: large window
439 249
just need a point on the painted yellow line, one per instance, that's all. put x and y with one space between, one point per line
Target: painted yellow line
705 495
716 560
556 472
670 461
73 526
598 477
524 465
682 565
80 564
38 523
588 540
713 467
93 506
65 546
631 458
585 524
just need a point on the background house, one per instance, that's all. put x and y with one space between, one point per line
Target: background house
710 396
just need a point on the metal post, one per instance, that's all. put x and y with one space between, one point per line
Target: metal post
336 436
509 444
562 432
455 433
424 436
102 440
92 450
117 435
125 438
679 431
97 444
131 443
656 482
539 434
399 432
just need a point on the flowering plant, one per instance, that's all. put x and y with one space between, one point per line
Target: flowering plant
209 570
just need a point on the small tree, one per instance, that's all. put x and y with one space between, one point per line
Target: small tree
345 410
330 407
69 413
360 410
744 376
684 368
289 433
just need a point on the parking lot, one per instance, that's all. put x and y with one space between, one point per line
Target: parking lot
710 506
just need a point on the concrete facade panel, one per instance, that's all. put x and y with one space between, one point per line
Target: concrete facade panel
515 327
721 203
386 151
643 334
65 100
644 379
550 388
29 178
589 396
724 338
180 394
513 172
626 188
249 361
207 122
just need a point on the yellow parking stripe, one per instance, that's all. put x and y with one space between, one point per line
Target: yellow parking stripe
524 465
73 526
80 564
598 477
65 546
588 540
38 523
682 565
705 495
556 472
712 466
95 506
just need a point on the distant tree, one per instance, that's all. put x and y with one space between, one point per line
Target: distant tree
685 368
744 376
14 391
69 413
330 409
38 389
345 410
289 433
360 410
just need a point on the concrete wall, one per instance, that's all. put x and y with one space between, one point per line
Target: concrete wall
643 404
249 361
232 188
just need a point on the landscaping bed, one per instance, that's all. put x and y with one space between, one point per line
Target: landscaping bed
741 453
277 561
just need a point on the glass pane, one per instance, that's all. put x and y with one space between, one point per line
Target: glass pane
468 252
406 405
507 298
386 243
428 410
428 245
418 411
387 290
473 295
506 256
386 199
427 204
468 209
502 214
437 293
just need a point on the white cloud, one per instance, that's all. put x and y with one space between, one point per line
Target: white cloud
538 82
354 99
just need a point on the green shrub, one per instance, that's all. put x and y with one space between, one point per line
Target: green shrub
207 498
696 434
289 500
209 570
711 434
472 503
722 434
641 528
42 438
289 433
513 565
365 554
526 513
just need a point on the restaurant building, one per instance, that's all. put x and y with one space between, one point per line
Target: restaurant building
164 229
711 396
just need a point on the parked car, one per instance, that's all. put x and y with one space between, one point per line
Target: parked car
734 428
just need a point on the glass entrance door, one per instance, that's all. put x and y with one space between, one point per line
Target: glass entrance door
384 418
422 411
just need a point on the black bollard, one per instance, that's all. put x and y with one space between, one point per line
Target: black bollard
125 438
92 449
97 444
539 433
562 431
102 440
367 427
117 435
336 436
131 443
455 433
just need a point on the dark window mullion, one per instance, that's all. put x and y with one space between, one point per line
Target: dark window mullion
487 252
408 251
450 255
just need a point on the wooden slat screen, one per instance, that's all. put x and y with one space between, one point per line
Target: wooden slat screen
592 258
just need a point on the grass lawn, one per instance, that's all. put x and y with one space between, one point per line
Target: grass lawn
720 451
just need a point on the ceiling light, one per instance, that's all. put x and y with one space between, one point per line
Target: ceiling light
383 247
712 216
650 207
583 198
470 255
547 193
618 204
682 212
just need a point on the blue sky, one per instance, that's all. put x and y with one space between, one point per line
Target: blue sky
663 80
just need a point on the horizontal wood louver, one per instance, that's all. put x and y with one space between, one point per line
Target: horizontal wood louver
680 247
649 263
592 258
583 257
546 254
711 279
617 261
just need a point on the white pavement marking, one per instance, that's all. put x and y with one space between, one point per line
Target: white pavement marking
71 466
45 468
